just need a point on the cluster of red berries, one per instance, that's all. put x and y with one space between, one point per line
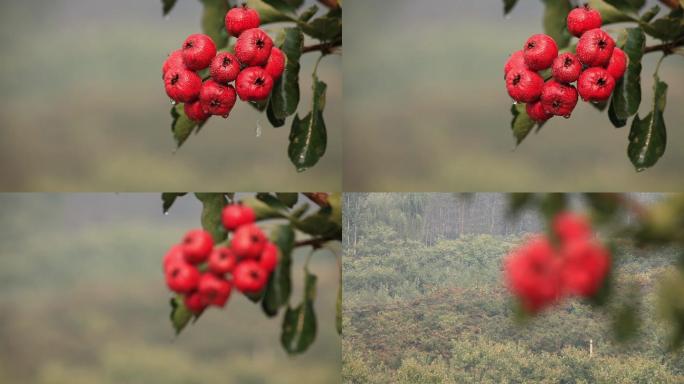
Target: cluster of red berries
205 274
254 67
540 274
596 66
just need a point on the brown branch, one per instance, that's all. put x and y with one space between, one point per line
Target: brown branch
667 48
674 4
325 48
320 198
333 4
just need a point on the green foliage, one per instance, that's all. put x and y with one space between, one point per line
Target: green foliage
648 136
521 124
299 323
308 137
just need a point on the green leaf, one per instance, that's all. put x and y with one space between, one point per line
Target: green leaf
552 204
168 198
180 314
555 15
518 201
308 137
270 114
650 14
612 116
279 288
324 28
289 199
610 14
167 6
299 324
285 94
272 201
522 124
627 93
262 210
270 14
309 13
667 28
508 5
213 21
335 201
212 206
648 136
631 6
181 126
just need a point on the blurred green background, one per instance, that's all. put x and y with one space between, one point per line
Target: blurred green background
83 300
426 107
84 108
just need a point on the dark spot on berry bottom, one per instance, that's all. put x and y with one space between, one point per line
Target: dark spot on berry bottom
601 82
516 79
254 274
530 45
556 104
226 61
260 81
568 61
602 44
260 43
174 80
188 45
255 238
215 103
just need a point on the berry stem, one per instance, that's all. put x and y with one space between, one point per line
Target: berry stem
325 48
666 48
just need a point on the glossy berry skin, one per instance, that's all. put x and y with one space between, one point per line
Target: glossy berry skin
535 111
584 268
248 241
217 99
516 60
214 290
224 68
275 65
193 302
240 19
237 215
558 99
566 68
569 227
172 256
250 277
595 48
195 112
182 85
175 60
539 52
269 257
254 84
253 47
617 64
595 84
222 260
583 19
197 245
182 277
532 273
523 85
198 51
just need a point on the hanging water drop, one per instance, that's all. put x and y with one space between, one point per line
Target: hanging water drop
515 103
567 116
166 213
167 17
225 116
258 129
173 102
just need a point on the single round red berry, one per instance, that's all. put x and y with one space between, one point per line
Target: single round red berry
536 112
275 65
584 267
182 85
237 215
217 99
174 255
595 48
566 68
248 241
516 60
595 84
193 302
182 277
617 64
214 290
253 47
558 99
222 260
569 226
254 84
197 245
240 19
523 85
175 60
269 257
198 51
250 277
532 273
224 68
583 19
540 51
195 112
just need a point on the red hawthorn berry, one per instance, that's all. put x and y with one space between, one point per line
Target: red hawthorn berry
224 68
566 68
195 112
558 99
197 245
584 267
617 64
269 257
275 65
250 277
236 215
182 85
583 19
535 111
254 84
193 302
240 19
214 290
595 48
182 277
569 226
173 256
217 99
516 60
222 260
539 52
253 47
175 60
533 275
595 84
248 241
198 51
523 85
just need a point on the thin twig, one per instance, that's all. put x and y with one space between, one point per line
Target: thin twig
332 4
320 198
325 48
667 48
674 4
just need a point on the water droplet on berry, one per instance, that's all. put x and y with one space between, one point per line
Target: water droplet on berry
173 102
567 116
515 103
225 116
258 129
